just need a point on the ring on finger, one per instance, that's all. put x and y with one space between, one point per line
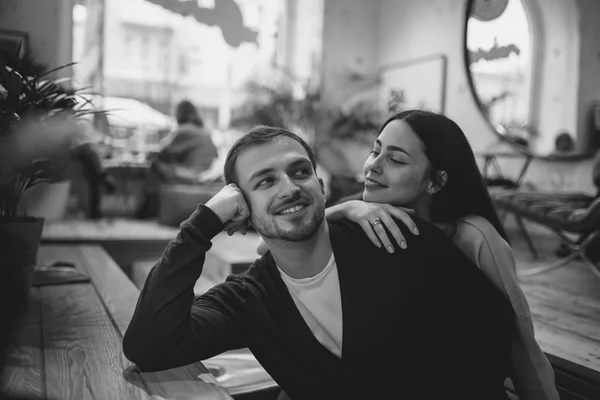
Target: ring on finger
375 222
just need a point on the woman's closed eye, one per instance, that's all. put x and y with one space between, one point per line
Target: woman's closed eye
376 152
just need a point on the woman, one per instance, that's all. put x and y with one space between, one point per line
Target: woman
423 161
185 153
190 144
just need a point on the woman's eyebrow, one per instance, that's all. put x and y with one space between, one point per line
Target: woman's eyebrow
393 148
398 148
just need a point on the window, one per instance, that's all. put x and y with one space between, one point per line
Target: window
207 56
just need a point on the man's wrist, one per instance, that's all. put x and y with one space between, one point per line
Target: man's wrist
205 219
218 210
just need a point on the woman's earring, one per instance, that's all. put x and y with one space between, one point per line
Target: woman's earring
430 190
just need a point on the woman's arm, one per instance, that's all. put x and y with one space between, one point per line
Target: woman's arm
530 371
364 214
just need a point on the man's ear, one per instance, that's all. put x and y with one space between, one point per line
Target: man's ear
323 188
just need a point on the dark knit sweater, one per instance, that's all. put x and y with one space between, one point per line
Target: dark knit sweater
422 323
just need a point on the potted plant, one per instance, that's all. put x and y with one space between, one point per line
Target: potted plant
282 101
37 129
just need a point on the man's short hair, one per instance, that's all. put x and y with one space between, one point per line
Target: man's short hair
257 136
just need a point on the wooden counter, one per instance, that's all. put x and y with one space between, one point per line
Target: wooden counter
70 342
131 241
126 241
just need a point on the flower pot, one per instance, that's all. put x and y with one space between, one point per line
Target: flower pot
20 238
46 200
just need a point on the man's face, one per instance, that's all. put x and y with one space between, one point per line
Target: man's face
285 196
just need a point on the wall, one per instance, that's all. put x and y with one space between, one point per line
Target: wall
556 44
409 29
350 47
431 26
303 39
48 24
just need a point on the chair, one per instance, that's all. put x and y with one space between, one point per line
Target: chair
178 201
563 213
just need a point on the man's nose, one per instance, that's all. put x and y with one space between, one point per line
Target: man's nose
288 187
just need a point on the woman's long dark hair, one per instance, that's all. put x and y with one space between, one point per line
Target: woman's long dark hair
448 149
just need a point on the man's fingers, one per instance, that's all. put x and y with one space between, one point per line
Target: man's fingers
369 231
235 225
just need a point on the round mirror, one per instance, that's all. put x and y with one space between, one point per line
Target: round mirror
521 56
498 45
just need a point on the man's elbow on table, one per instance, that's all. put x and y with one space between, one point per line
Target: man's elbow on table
139 350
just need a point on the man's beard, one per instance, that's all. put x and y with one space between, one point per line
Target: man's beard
297 233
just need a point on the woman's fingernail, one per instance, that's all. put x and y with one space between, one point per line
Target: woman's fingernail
403 244
390 249
378 244
416 231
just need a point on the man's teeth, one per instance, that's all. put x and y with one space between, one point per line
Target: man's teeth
292 209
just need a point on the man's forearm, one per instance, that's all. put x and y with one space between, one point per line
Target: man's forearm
161 321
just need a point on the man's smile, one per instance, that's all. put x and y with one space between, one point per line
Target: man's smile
291 207
293 210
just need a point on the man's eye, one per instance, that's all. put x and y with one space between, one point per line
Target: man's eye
397 161
264 183
301 173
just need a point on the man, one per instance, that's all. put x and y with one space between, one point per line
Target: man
325 312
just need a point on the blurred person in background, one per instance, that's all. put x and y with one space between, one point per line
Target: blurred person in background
88 154
183 155
564 143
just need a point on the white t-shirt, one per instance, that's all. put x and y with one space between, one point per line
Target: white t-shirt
319 301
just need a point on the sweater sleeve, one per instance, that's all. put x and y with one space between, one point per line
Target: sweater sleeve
530 371
170 328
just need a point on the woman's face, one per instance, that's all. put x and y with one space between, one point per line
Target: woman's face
397 170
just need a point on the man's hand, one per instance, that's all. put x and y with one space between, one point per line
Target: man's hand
230 206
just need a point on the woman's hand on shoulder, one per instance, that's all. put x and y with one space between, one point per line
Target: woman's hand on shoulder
372 217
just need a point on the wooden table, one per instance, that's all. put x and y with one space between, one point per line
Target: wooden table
125 240
70 342
132 241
